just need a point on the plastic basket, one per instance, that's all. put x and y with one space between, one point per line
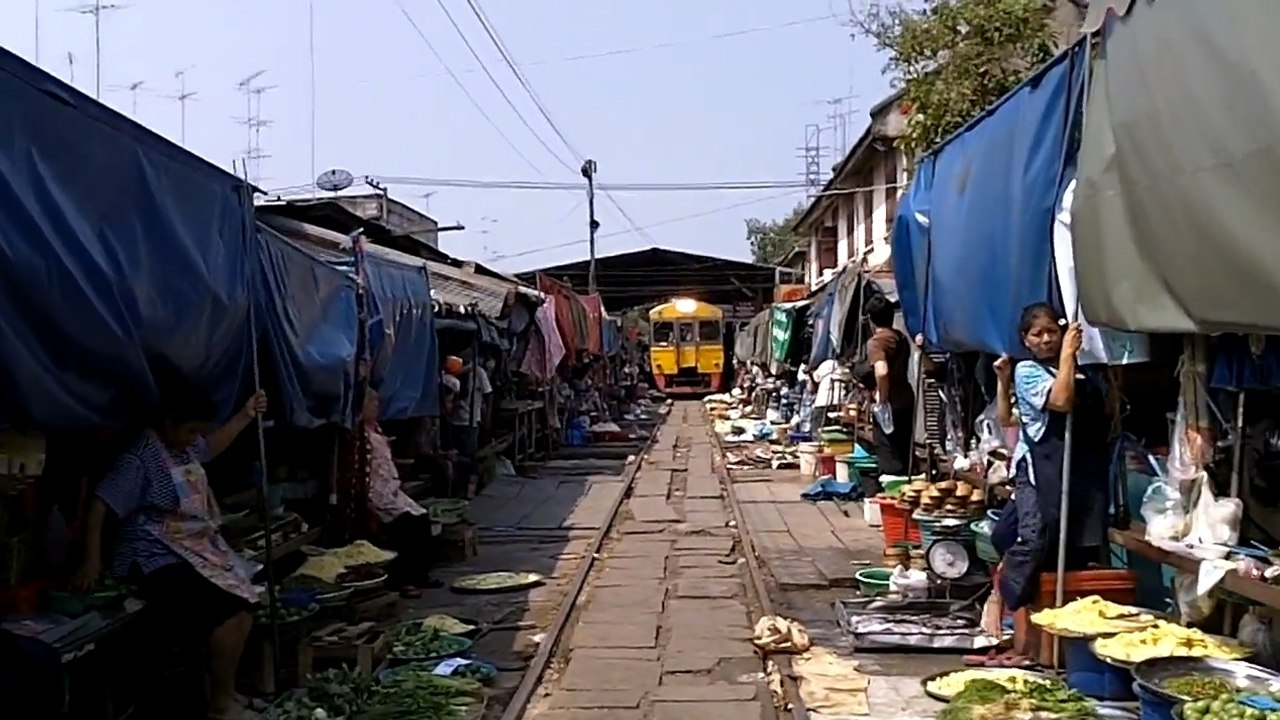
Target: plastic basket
873 581
897 525
982 542
929 530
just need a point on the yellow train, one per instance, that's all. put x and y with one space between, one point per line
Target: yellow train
686 349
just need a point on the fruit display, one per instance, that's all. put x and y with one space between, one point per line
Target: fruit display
330 564
1227 707
1093 616
1164 639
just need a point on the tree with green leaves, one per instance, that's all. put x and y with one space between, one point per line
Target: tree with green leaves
771 240
954 58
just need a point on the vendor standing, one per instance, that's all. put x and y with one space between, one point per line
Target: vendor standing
889 357
1047 390
169 538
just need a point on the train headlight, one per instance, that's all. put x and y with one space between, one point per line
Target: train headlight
686 305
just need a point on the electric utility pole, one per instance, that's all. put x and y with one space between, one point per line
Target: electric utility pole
589 172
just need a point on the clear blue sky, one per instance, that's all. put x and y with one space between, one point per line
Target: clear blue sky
700 110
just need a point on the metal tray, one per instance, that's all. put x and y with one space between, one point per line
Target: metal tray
1247 677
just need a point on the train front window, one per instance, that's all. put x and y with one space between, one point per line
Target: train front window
686 332
708 331
663 332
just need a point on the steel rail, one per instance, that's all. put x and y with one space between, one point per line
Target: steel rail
790 688
555 633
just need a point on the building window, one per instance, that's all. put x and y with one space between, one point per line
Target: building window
850 203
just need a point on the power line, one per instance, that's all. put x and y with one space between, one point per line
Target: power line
553 186
512 65
496 39
660 223
498 86
616 52
461 86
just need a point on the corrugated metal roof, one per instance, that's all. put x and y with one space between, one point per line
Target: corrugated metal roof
455 286
449 285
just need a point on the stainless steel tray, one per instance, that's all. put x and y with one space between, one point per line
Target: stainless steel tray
1152 674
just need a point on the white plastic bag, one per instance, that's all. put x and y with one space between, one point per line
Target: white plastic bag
1163 513
987 429
1213 521
1192 607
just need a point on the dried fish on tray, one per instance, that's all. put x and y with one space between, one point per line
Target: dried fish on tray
884 624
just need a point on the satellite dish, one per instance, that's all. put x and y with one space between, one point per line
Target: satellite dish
334 180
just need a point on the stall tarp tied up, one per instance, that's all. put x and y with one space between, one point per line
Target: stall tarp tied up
594 306
308 310
1176 211
124 254
993 193
782 321
404 352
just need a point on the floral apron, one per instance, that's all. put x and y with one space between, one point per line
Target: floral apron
192 533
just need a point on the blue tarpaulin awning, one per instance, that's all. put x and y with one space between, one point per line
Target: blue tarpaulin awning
123 254
307 310
972 241
404 352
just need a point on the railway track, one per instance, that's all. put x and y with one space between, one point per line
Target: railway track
657 617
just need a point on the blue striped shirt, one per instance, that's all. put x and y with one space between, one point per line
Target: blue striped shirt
139 489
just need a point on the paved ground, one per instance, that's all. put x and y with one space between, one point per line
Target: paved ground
810 552
541 523
663 628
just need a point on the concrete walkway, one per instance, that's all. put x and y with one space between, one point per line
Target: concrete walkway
663 629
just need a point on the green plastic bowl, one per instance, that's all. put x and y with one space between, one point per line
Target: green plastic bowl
873 581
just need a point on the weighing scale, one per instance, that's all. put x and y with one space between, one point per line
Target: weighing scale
953 562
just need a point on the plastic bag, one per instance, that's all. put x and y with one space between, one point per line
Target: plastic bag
1191 440
883 415
1163 513
1213 521
987 429
1192 607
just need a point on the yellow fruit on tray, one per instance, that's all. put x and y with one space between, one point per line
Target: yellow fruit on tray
1093 616
1168 640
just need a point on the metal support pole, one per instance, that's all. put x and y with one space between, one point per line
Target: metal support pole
97 50
589 172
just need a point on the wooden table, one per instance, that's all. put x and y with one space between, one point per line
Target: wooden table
525 416
1134 540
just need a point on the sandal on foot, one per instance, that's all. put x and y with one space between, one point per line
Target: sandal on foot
980 660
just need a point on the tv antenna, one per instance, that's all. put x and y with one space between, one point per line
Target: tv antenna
253 123
96 8
133 94
182 97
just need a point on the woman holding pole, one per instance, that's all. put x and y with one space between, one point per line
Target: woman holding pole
1048 390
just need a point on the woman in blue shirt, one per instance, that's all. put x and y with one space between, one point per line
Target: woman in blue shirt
1048 389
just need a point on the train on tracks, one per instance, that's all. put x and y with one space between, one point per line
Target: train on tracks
686 349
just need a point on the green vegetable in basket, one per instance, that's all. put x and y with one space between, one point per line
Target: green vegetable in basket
411 640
